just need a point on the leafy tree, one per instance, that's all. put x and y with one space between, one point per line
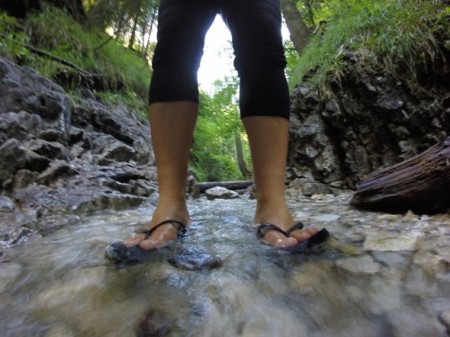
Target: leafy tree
218 135
129 21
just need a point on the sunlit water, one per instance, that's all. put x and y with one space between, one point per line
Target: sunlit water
61 285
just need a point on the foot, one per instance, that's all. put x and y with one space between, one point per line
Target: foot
166 233
282 218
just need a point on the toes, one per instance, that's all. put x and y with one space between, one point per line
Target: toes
134 241
161 237
304 234
277 239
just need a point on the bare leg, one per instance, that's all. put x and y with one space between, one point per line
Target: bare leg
268 137
172 126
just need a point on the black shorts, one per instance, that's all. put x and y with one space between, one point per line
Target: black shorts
255 26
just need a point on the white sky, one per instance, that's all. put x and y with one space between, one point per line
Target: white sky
217 60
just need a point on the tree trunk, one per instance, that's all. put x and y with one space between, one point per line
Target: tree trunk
152 23
136 17
240 157
133 33
298 30
73 7
231 185
420 184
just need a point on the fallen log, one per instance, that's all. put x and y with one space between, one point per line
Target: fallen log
231 185
420 184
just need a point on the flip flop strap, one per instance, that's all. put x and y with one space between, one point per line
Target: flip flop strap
181 228
297 225
263 228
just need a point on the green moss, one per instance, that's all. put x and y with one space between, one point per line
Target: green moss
123 73
386 34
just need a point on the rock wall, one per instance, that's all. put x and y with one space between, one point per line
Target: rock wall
369 120
58 154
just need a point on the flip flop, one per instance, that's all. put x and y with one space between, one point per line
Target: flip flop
120 254
302 247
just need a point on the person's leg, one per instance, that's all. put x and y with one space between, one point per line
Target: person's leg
172 125
268 137
182 26
264 103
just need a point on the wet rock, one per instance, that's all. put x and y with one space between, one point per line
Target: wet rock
339 292
325 217
390 241
19 125
154 324
61 155
8 274
14 232
49 224
14 156
60 331
444 318
116 152
50 150
194 259
390 101
391 259
86 281
23 178
359 265
6 205
58 169
429 262
221 193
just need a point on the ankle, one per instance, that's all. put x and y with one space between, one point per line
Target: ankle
271 201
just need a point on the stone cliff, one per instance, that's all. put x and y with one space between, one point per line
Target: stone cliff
370 118
60 154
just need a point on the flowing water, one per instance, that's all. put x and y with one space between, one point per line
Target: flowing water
378 275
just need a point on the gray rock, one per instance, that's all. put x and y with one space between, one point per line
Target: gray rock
373 120
195 259
116 152
221 193
390 242
14 156
58 155
444 318
6 204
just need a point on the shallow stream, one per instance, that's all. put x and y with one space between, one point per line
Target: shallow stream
379 275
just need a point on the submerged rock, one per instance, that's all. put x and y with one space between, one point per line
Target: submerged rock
194 259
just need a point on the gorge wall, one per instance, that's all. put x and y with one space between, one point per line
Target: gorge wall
59 153
371 118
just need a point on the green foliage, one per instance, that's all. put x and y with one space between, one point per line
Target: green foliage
123 74
213 153
13 42
131 21
384 33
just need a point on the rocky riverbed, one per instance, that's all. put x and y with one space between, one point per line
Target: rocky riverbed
378 275
77 173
